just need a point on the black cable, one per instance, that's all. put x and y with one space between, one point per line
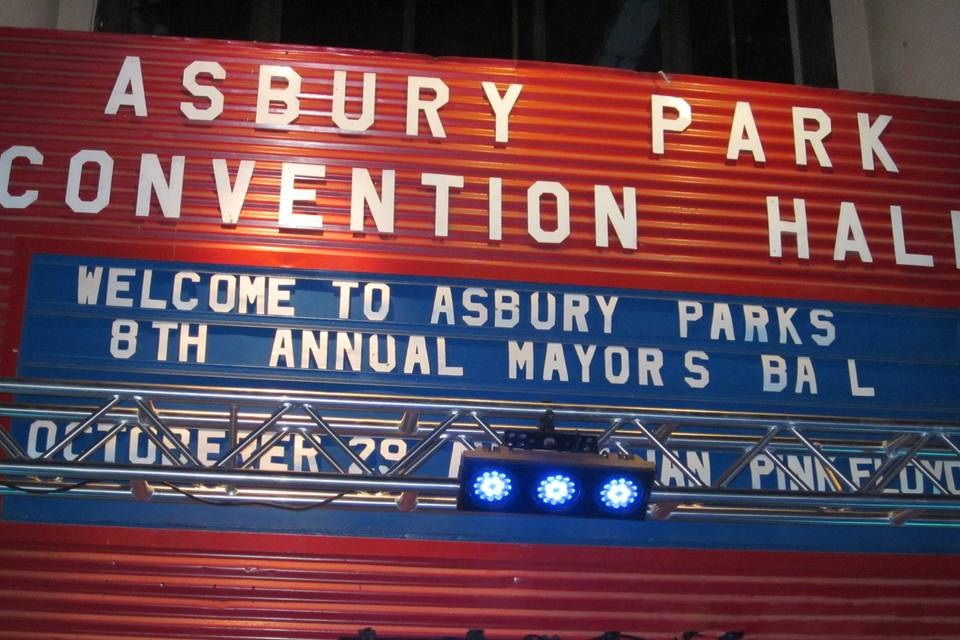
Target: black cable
16 487
259 503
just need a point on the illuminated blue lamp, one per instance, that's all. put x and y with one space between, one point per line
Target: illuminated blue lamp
619 493
585 485
557 490
492 486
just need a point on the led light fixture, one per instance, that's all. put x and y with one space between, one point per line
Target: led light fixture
619 493
557 490
554 482
492 486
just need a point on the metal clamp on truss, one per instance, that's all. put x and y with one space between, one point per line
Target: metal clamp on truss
300 450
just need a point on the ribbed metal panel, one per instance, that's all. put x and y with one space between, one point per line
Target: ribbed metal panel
60 582
702 219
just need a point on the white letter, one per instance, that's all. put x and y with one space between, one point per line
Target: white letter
267 94
955 221
382 366
805 374
417 355
430 108
649 363
477 308
116 286
282 348
190 73
774 373
855 388
345 287
231 198
870 142
829 331
495 210
554 362
722 322
443 304
339 116
689 311
181 303
501 105
900 244
744 135
607 211
850 235
534 228
152 180
289 194
755 319
88 284
778 227
25 199
276 296
128 89
443 183
520 357
383 308
104 182
690 364
659 124
607 306
801 135
363 192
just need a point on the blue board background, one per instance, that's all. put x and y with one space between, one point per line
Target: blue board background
910 355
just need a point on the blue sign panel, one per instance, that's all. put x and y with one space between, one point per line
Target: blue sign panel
128 320
124 320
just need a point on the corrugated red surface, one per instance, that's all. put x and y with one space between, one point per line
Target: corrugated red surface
95 583
702 219
702 227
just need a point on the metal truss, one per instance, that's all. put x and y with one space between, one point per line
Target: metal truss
254 422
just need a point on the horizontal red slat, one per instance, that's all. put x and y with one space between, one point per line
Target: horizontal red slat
120 583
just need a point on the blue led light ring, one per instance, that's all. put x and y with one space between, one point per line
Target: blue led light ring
557 490
492 486
620 494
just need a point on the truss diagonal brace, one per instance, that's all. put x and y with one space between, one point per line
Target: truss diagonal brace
151 413
252 437
892 466
835 475
357 460
73 435
425 445
669 455
748 455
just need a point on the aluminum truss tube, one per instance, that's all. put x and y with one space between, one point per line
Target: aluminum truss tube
894 465
80 428
252 437
487 428
357 460
527 410
102 442
10 445
161 446
787 471
318 445
424 446
263 448
668 454
151 413
748 455
835 475
211 475
765 499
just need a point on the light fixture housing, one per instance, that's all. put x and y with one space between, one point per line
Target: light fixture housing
554 482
